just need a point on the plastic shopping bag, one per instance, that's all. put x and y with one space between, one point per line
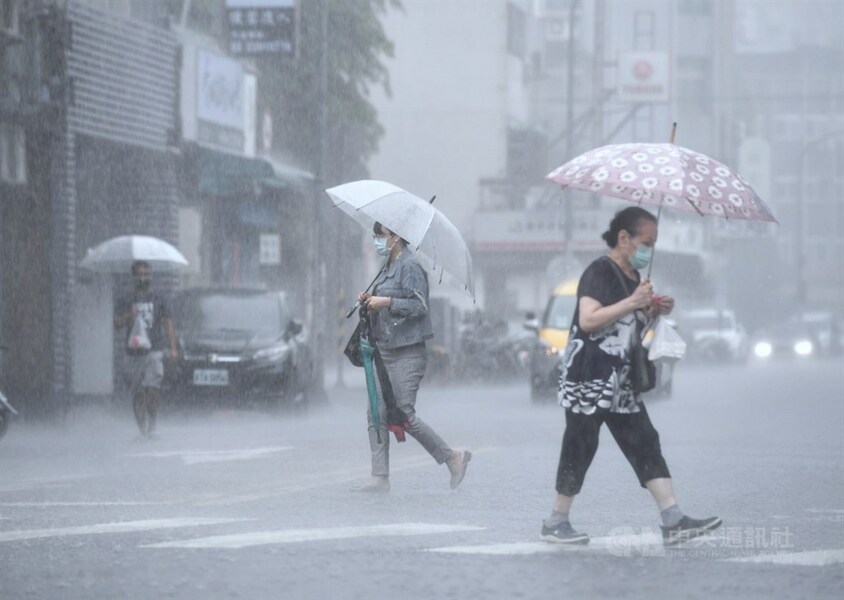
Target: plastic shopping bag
666 342
138 337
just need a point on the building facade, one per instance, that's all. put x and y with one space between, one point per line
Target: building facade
107 130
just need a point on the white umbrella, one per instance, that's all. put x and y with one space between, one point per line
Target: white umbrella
117 255
434 239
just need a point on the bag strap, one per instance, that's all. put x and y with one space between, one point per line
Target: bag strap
621 278
617 270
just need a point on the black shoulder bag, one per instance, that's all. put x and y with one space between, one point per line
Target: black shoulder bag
642 369
352 349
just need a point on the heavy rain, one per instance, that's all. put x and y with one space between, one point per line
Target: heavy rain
298 298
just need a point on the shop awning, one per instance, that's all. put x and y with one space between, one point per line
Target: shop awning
223 174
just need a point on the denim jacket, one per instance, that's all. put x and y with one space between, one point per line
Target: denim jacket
406 321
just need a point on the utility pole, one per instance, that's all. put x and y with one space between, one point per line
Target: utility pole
598 73
318 275
569 209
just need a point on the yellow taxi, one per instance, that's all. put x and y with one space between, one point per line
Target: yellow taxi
552 335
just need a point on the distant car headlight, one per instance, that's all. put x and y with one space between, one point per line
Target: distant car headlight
763 349
273 353
803 347
548 348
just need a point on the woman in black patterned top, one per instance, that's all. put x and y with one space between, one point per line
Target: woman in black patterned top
613 305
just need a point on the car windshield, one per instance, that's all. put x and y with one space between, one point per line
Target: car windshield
216 312
559 313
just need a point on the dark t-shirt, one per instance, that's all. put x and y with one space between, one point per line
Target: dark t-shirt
152 310
596 365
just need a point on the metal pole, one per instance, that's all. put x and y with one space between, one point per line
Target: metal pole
318 273
569 209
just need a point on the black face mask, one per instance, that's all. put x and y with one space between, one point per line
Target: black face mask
142 283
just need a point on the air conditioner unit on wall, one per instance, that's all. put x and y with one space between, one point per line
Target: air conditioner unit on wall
12 154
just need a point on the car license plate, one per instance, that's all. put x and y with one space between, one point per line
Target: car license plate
210 377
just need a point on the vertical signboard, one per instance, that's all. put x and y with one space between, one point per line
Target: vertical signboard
220 109
261 27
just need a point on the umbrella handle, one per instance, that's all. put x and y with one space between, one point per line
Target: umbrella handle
371 283
659 210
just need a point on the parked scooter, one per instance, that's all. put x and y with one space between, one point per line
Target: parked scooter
6 410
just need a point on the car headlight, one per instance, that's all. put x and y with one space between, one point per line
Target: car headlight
548 348
273 353
803 347
763 349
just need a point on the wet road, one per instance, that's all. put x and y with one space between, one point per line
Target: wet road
247 504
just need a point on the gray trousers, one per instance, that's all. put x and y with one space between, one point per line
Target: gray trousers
405 367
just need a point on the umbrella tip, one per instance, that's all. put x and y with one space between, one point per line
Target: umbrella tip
431 201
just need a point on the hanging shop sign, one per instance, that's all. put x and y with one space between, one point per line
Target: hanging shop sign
261 27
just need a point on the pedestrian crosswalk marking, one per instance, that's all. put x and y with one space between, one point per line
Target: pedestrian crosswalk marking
42 483
81 504
291 536
196 457
514 549
316 481
101 528
644 544
811 558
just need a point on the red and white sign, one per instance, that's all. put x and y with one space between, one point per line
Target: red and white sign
644 77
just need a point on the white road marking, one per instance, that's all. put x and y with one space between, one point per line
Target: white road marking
811 558
316 481
121 527
196 457
83 504
42 483
515 549
645 544
292 536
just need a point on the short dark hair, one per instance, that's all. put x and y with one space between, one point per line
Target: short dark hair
629 220
378 229
140 264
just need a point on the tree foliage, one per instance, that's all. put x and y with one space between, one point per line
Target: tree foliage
354 50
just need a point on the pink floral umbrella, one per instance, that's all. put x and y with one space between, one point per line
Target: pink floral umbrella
664 175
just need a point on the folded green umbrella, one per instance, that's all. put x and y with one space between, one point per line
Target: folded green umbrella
366 351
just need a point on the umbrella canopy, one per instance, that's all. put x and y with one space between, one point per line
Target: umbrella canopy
664 175
435 240
117 255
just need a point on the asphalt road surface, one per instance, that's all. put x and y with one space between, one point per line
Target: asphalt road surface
244 503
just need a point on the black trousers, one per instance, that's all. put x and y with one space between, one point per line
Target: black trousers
634 433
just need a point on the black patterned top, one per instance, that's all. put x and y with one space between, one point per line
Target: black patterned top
596 365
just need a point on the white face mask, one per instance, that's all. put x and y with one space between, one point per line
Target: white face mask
642 257
381 246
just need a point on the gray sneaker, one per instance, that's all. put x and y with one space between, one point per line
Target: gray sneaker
563 533
687 529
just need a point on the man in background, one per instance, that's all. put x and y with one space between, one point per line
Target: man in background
146 317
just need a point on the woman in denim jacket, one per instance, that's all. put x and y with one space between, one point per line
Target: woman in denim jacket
398 308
